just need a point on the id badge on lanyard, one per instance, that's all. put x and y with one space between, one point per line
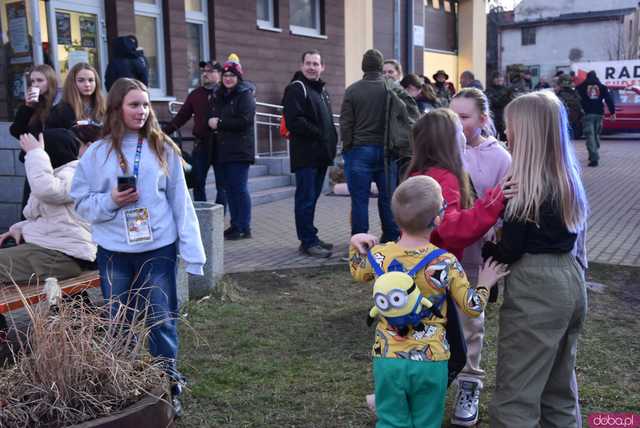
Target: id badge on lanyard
137 222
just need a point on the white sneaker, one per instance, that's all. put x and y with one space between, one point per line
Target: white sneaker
371 402
467 400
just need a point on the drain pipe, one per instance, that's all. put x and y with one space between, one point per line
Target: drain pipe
410 53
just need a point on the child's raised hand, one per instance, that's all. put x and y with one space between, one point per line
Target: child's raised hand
510 188
363 242
491 272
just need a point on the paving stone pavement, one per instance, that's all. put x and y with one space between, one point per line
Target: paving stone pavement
613 189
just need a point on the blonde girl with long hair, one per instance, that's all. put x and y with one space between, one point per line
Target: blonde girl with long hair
486 162
545 299
40 96
131 187
38 112
82 94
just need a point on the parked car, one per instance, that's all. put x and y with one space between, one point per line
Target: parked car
627 101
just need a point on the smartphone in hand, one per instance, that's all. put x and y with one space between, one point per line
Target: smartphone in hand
126 182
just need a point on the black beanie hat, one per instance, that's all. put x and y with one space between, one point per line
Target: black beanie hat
61 145
372 60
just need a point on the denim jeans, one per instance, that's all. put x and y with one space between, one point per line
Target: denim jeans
308 189
363 165
592 127
138 279
235 178
201 159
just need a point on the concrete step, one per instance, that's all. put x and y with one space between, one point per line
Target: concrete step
257 184
261 196
272 195
254 171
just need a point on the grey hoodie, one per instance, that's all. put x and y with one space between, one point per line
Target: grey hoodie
171 212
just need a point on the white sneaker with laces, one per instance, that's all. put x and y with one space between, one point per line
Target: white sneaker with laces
467 402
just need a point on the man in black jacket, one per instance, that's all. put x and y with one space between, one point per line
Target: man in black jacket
312 141
592 95
199 105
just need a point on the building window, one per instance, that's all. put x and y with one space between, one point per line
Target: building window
528 36
304 17
149 31
197 38
267 14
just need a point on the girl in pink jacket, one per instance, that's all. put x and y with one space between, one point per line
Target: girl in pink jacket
487 162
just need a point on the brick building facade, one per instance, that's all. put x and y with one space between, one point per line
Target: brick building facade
267 35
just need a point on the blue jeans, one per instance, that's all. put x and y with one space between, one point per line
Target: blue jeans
201 159
235 178
363 165
308 189
138 279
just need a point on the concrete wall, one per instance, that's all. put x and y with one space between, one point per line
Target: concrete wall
554 42
358 36
539 9
11 178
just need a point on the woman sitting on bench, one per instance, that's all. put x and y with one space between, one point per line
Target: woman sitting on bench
53 240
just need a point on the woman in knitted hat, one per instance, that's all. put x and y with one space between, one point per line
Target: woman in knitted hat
233 118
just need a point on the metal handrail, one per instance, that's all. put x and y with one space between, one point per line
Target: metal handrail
264 119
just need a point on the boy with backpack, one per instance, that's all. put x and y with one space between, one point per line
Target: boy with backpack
413 341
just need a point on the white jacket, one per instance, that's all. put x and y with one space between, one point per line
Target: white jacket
51 221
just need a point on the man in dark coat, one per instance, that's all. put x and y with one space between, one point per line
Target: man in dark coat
499 96
313 140
364 120
199 105
126 61
593 94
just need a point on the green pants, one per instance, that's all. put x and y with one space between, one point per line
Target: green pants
27 262
592 127
409 394
544 308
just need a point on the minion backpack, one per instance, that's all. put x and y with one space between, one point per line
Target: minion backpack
398 300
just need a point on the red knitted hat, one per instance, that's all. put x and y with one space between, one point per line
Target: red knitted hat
232 65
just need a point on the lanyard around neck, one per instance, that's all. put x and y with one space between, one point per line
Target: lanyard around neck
136 160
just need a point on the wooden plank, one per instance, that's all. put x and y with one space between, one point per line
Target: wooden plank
11 300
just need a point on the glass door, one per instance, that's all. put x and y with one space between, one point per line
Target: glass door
77 34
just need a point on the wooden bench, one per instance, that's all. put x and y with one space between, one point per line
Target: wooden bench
10 298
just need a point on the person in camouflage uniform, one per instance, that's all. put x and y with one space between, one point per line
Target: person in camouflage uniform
517 82
571 100
499 96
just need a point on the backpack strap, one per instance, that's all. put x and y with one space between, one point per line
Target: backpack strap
425 261
304 88
377 269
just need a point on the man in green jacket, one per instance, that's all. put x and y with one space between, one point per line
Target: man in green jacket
363 122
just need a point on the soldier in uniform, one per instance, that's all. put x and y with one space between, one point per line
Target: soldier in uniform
499 96
571 99
517 81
